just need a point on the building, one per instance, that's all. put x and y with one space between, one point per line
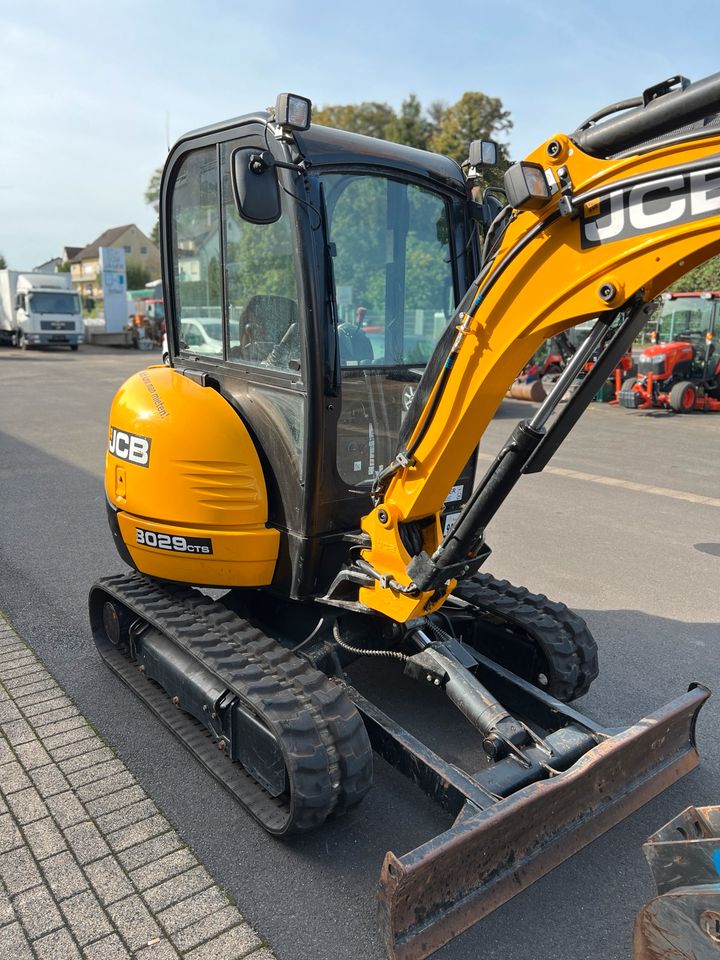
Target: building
139 249
58 264
69 253
49 266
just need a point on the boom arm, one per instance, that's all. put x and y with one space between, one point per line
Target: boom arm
613 235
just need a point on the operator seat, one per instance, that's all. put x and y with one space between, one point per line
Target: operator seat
268 331
355 345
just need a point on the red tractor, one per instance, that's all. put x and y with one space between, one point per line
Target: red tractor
680 370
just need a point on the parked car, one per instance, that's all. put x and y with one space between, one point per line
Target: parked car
198 335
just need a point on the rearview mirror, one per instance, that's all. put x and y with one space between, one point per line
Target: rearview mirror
255 186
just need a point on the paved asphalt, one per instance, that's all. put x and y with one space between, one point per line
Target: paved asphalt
643 567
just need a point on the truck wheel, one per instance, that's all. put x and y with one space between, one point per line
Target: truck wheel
629 383
683 396
73 347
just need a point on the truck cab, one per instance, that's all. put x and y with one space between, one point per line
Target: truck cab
45 311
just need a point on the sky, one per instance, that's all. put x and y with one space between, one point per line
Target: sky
93 93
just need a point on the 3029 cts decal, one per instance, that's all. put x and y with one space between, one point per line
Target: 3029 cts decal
175 544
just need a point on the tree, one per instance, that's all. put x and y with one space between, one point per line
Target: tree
152 194
441 128
3 265
370 118
409 126
137 276
152 197
704 277
474 117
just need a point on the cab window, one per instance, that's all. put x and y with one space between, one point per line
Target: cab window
685 317
395 293
260 285
393 273
196 248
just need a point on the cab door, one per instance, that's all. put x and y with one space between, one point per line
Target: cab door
235 315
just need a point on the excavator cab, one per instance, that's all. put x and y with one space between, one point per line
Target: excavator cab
315 315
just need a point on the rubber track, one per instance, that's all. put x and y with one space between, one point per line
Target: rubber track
562 636
322 737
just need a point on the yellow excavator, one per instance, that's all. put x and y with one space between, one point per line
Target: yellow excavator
344 317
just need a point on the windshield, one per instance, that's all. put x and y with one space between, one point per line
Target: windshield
394 289
392 267
68 303
684 317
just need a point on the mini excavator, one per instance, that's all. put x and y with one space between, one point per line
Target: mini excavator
343 322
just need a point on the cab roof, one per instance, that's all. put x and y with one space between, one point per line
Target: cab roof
326 146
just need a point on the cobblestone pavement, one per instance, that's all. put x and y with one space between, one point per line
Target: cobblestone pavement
89 867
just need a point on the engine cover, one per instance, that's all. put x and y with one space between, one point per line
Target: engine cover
185 484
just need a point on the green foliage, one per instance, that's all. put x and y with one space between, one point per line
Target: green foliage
3 264
64 267
474 117
370 118
410 126
152 194
441 128
137 276
704 277
152 197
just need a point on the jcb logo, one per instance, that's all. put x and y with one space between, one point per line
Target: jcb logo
129 446
650 206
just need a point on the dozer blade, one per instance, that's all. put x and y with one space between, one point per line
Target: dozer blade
433 893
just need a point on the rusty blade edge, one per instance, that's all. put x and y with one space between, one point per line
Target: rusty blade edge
416 918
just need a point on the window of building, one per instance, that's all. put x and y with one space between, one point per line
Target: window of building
127 249
143 251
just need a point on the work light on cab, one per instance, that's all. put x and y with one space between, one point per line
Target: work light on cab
526 186
292 112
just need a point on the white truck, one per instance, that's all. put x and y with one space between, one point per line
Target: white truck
39 309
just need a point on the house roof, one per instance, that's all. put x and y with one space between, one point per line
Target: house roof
71 252
104 240
52 262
